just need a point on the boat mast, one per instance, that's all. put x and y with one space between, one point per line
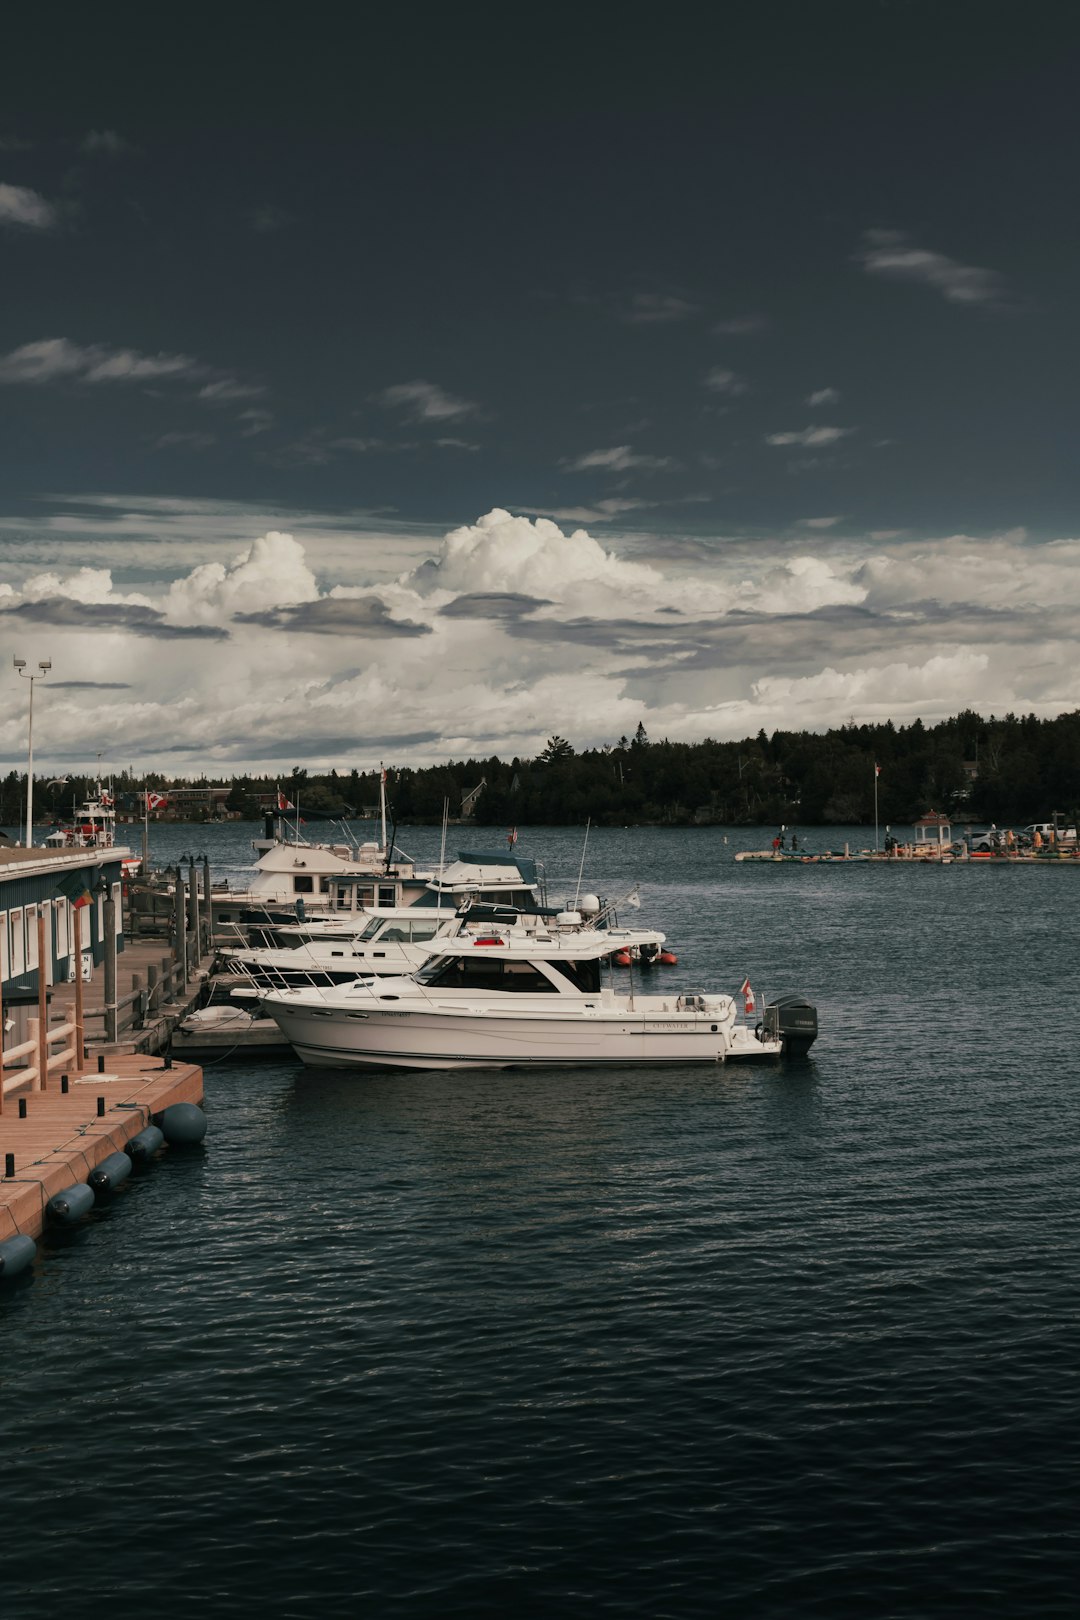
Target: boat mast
581 868
442 855
382 801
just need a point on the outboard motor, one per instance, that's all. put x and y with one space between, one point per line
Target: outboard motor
793 1021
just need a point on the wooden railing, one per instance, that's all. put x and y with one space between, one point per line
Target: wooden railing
41 1059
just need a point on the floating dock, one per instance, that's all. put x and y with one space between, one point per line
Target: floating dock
52 1140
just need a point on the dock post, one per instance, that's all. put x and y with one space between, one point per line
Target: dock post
208 914
138 1006
2 1041
109 926
193 903
180 927
151 988
80 1028
43 1020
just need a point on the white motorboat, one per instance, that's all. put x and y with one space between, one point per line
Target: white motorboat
395 941
322 890
528 995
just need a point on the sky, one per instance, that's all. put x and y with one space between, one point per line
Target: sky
401 389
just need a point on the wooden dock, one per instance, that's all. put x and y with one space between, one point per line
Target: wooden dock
64 1135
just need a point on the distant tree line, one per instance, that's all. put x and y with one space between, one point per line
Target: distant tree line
1008 770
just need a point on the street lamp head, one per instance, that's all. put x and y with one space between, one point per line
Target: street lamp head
20 663
45 666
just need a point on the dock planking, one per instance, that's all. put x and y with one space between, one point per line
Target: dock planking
63 1137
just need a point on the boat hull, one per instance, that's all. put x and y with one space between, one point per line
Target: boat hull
452 1040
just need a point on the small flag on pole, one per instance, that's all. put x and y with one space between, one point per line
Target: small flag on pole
283 803
511 837
75 888
156 801
877 770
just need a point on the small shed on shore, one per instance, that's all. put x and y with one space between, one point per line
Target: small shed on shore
933 829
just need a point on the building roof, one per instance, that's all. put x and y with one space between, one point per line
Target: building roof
19 862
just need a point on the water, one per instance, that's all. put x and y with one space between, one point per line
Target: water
673 1343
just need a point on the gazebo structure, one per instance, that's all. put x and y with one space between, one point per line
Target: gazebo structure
933 831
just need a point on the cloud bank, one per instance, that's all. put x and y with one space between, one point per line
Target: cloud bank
509 628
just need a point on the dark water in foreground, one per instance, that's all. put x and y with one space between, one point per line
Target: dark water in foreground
672 1343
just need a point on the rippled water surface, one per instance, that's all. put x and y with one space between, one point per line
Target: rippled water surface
751 1341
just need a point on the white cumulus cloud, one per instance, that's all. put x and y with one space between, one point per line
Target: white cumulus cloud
272 572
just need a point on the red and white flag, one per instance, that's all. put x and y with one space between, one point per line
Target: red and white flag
511 837
283 803
877 770
156 801
747 995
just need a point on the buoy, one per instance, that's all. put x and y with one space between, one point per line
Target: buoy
183 1122
111 1173
621 958
70 1205
145 1145
669 959
16 1253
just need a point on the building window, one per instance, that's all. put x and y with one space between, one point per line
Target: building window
18 943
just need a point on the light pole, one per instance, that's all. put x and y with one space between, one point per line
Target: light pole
43 669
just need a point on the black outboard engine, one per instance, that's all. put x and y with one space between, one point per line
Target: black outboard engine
792 1020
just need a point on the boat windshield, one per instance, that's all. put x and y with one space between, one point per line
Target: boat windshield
485 973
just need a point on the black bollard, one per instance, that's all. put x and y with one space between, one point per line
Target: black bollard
64 1084
101 1108
22 1107
9 1164
101 1063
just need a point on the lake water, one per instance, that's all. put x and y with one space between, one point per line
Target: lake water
679 1343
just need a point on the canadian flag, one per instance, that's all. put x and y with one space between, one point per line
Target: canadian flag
283 803
155 801
747 995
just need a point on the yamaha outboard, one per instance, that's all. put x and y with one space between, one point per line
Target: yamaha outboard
793 1021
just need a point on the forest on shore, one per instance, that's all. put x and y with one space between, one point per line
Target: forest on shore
1009 770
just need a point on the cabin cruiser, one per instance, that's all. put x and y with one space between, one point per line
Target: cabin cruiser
326 890
526 995
394 941
295 880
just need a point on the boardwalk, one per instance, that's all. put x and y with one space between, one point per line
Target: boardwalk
63 1136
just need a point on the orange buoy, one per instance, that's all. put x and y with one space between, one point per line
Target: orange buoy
669 959
621 958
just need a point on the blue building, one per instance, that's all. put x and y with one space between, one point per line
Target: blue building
30 882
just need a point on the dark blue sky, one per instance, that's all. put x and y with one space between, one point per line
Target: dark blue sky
547 221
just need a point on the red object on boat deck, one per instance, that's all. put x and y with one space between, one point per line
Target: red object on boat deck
669 959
